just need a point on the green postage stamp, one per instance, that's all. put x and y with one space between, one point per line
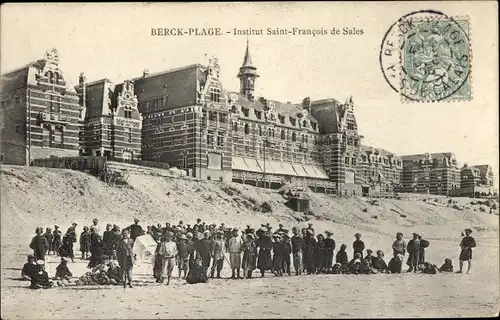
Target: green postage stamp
435 59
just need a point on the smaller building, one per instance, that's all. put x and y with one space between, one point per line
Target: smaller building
380 170
112 124
476 181
430 173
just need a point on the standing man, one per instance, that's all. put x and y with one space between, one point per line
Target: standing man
297 245
235 247
413 253
329 248
39 244
168 252
125 257
466 245
135 230
358 245
218 249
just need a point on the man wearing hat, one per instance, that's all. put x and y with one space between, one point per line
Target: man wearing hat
135 230
466 245
358 245
125 257
307 251
39 244
281 229
218 249
287 250
297 245
29 268
57 242
329 248
182 255
235 249
310 227
413 253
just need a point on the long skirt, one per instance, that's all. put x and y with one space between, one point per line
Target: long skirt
265 262
196 274
158 266
465 254
249 261
328 259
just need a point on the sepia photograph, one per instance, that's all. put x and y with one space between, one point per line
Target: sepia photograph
249 160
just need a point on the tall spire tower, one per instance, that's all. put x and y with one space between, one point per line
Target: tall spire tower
247 76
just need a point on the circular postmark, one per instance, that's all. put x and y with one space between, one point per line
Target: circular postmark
424 56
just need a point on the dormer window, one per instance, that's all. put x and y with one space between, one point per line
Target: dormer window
246 112
304 124
128 112
313 125
258 114
293 122
281 118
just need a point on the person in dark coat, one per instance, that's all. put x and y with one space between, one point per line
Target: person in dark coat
318 255
466 245
304 236
29 268
135 230
265 245
50 240
96 248
308 250
329 248
249 261
66 249
39 245
413 249
197 273
396 264
358 245
341 256
40 279
125 257
355 264
107 240
421 255
85 243
378 262
287 250
297 245
204 250
57 240
62 271
278 249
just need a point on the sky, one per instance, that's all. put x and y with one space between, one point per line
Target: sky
114 41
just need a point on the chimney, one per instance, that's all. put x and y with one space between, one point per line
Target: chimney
82 85
145 73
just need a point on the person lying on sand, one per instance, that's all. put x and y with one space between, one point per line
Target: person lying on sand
447 266
114 273
29 268
429 268
396 264
98 275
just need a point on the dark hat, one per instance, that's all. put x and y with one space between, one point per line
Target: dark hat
56 226
281 225
357 234
309 231
103 257
94 220
136 220
416 234
74 224
327 232
468 230
30 256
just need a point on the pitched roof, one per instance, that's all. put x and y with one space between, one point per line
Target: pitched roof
421 156
382 152
247 60
483 168
99 97
181 82
328 113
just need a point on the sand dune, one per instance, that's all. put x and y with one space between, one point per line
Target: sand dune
42 197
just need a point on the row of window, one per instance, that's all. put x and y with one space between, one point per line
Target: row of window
271 133
168 142
293 121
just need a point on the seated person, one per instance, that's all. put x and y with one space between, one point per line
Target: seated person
197 273
378 262
429 268
447 266
114 273
29 268
40 279
396 264
369 256
337 269
365 267
354 264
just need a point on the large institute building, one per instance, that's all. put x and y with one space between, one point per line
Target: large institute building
186 118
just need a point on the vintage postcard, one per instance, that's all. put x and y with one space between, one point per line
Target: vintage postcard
249 160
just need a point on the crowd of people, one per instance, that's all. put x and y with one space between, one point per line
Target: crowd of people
200 251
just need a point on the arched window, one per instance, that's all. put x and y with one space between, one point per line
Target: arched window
269 132
306 138
247 128
260 131
235 126
303 138
283 137
294 137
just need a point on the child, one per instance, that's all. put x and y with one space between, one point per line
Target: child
355 264
39 244
56 242
337 268
429 268
50 238
249 256
40 279
287 250
466 245
378 262
358 245
365 267
341 256
85 243
369 256
62 272
399 245
396 264
114 273
183 255
29 268
447 266
168 252
278 249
